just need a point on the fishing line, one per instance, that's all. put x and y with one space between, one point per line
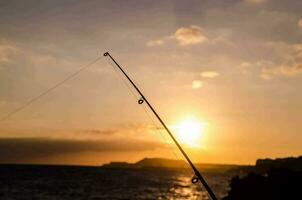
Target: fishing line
123 80
36 98
140 101
156 127
171 149
167 141
198 176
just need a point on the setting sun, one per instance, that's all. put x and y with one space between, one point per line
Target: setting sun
190 132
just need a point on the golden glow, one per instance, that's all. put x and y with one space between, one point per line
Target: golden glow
190 132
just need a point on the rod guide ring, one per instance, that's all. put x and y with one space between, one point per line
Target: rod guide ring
106 54
194 180
197 177
140 101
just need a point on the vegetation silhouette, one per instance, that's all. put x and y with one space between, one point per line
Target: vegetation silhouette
269 180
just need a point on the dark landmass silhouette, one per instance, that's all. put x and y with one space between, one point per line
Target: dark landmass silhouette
292 163
269 180
175 164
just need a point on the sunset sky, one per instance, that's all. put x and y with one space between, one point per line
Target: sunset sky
230 70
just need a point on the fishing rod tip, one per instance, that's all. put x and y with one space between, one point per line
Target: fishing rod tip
106 54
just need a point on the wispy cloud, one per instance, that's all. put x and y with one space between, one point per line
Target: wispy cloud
209 74
7 51
289 66
283 70
97 132
2 103
256 1
24 149
190 35
196 84
300 23
247 67
298 51
90 134
152 43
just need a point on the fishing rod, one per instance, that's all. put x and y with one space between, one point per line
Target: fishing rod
198 176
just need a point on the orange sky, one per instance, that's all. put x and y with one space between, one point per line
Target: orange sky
234 66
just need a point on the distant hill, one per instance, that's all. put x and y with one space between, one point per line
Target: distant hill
148 163
160 162
173 164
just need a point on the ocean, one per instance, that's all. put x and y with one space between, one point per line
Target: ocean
42 182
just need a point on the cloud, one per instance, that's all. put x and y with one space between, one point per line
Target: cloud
184 36
298 47
289 63
190 35
256 1
196 84
246 67
7 51
298 51
300 23
98 132
152 43
209 74
25 149
3 103
90 134
283 70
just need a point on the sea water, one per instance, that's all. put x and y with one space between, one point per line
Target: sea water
27 182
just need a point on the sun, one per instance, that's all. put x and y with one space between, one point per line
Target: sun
190 132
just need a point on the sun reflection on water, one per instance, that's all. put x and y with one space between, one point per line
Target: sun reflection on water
183 189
